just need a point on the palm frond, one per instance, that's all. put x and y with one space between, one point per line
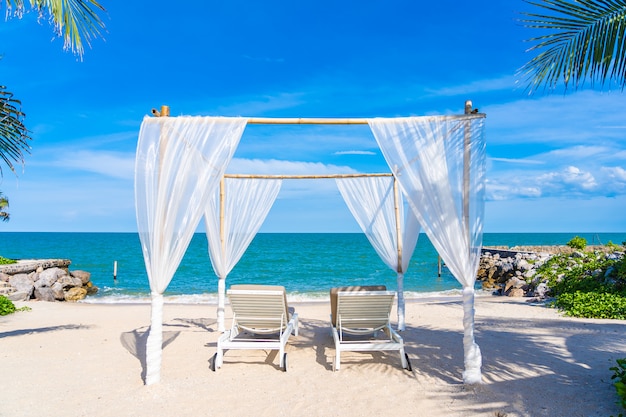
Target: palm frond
4 204
76 21
13 133
583 39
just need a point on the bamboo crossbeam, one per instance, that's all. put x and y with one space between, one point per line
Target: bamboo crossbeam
305 121
328 120
305 176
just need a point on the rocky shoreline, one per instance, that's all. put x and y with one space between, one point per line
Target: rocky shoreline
512 271
44 280
508 271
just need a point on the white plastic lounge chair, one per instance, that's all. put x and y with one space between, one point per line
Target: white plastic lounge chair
360 322
261 320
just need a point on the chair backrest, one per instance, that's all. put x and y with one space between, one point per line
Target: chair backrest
334 291
259 308
363 311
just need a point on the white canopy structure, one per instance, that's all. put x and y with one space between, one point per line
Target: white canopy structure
377 206
233 217
438 162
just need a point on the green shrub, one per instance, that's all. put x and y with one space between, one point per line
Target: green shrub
591 286
619 373
595 305
6 261
577 242
6 306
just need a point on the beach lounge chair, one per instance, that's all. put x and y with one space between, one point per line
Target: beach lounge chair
261 320
360 322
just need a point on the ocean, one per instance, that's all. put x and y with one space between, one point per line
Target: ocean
307 264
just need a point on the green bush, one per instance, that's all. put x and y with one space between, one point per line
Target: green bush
595 305
619 373
577 242
6 261
591 286
6 306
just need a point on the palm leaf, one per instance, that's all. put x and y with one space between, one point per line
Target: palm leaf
4 204
13 134
585 39
73 20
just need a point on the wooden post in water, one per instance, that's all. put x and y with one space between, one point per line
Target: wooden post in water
439 266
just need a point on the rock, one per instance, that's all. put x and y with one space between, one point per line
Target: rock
18 296
46 280
91 289
44 294
50 276
21 282
541 290
513 283
69 281
84 276
57 290
516 292
523 265
75 294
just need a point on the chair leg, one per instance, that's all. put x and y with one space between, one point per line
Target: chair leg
337 364
403 359
219 358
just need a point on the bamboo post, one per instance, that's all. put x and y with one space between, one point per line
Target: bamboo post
466 168
471 351
221 281
400 271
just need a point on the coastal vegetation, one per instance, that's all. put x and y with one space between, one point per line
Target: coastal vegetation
588 284
6 261
7 306
619 375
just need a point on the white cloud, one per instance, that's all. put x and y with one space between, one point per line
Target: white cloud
521 161
355 153
616 173
569 180
282 167
509 191
111 164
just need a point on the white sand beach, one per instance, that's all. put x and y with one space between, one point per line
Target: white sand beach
67 359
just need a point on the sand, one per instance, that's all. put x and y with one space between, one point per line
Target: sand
78 359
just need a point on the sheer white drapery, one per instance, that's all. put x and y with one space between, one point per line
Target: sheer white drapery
178 165
233 216
373 202
440 164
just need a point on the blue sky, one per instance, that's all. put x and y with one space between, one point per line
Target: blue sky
556 162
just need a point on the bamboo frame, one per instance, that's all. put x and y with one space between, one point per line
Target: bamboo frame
305 176
334 121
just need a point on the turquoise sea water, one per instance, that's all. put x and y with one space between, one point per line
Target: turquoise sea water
306 264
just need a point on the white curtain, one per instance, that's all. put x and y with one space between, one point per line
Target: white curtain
373 201
179 163
440 164
233 216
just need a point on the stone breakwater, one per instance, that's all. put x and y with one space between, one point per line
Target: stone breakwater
513 271
44 280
